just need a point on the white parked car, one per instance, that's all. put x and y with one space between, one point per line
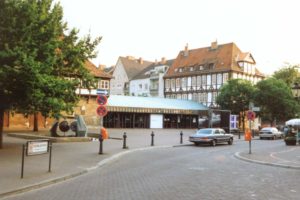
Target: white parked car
270 133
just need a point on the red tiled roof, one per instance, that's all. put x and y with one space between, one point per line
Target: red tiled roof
225 57
96 71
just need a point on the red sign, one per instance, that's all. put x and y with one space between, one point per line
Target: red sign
101 110
101 99
251 115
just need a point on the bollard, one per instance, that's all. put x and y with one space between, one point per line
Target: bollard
152 139
124 140
181 134
101 144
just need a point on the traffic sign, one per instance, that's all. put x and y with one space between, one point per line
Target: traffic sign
101 99
250 115
101 111
102 91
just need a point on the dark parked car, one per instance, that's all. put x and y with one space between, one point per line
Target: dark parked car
211 136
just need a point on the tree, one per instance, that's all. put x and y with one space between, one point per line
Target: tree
235 95
289 74
41 60
275 99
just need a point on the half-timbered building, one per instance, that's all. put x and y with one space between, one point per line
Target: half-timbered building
198 74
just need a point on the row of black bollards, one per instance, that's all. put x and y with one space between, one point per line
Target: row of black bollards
125 138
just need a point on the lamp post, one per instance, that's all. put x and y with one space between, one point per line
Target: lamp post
296 91
296 94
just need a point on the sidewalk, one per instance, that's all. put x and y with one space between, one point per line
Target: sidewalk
277 154
75 158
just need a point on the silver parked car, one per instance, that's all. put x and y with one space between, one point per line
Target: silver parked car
270 133
211 136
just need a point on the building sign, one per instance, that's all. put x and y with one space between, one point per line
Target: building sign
233 121
36 147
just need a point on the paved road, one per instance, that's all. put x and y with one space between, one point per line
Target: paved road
186 172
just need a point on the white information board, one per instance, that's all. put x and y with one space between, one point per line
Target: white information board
35 147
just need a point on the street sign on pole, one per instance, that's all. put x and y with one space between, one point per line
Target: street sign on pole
101 99
250 115
101 111
102 92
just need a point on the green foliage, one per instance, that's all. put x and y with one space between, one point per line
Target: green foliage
41 60
289 74
235 95
275 99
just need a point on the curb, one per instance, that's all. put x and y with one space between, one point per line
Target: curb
238 156
70 176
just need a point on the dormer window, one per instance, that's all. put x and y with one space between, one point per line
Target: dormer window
211 66
180 69
201 67
191 69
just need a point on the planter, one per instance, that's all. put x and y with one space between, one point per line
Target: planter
290 140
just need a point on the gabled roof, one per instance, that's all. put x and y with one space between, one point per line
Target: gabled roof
225 57
143 74
133 66
96 71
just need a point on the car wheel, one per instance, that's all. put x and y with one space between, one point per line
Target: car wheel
230 141
260 138
213 143
196 143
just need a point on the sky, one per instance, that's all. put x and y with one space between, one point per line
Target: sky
152 29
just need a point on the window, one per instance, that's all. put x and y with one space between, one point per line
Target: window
219 79
146 86
167 83
191 69
208 80
180 69
203 81
211 66
173 83
178 82
201 67
104 84
140 86
214 79
183 82
194 79
198 80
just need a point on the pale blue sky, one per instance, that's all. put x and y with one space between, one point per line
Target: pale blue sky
151 29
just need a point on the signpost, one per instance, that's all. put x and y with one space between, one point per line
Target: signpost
36 147
250 117
101 111
101 99
102 92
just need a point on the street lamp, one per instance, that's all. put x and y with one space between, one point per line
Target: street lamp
296 91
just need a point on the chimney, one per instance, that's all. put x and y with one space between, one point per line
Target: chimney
141 60
101 67
214 45
130 57
186 50
163 60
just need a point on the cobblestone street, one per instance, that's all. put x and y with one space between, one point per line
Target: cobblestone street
185 172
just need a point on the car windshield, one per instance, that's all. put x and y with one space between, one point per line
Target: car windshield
205 131
267 129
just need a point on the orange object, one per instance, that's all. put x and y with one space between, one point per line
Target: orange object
248 136
104 133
